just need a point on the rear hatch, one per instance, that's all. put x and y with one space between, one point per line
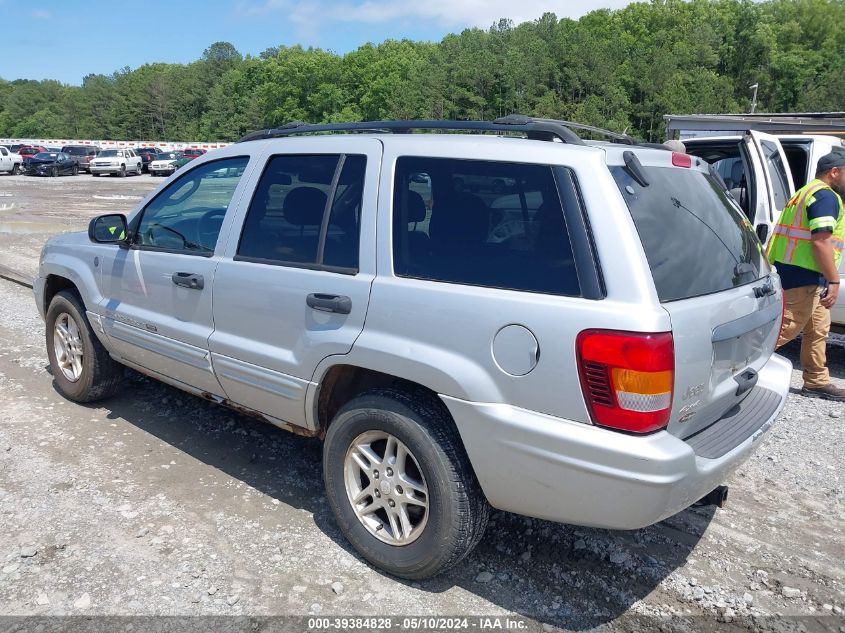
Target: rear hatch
711 276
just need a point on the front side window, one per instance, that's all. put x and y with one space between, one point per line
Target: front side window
780 182
188 214
287 221
482 223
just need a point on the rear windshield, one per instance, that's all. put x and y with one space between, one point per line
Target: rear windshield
77 151
696 240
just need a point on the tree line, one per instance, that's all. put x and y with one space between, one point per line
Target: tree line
621 70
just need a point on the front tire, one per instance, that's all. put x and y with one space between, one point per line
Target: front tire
54 173
122 172
400 484
16 169
81 366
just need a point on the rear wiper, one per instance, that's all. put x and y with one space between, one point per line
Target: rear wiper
744 268
680 205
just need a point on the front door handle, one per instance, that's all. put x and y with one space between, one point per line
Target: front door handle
189 280
329 303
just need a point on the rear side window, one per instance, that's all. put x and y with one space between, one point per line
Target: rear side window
481 223
695 240
287 221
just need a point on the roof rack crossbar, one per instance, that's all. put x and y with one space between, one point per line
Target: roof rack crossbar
543 129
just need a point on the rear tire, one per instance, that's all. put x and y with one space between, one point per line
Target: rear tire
99 375
95 174
74 171
456 511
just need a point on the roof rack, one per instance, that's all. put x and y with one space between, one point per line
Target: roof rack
618 137
534 128
538 129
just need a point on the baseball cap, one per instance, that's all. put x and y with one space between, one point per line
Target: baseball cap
829 161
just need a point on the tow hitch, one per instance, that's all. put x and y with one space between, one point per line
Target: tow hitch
716 497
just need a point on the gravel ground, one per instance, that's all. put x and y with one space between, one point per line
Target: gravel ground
159 503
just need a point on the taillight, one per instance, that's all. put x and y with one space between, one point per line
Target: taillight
627 378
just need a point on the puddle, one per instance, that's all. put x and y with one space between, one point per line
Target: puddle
26 228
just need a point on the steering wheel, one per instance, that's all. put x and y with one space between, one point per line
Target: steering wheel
209 224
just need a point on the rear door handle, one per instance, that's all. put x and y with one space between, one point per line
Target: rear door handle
329 303
746 381
188 280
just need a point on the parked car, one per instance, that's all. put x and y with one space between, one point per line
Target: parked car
9 161
167 162
193 153
82 154
51 164
116 161
147 154
608 378
28 151
15 147
763 171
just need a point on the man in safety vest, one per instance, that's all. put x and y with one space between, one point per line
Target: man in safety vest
806 247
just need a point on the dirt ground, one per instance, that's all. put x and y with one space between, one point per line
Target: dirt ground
158 503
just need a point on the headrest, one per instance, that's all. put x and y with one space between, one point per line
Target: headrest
736 172
464 219
304 206
416 207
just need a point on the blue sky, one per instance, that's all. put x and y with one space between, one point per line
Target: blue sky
67 40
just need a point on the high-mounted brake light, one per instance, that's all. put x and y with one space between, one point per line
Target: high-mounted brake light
681 160
627 378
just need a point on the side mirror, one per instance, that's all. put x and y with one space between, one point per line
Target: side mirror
762 232
108 229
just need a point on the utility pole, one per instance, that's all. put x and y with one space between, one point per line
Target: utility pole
754 98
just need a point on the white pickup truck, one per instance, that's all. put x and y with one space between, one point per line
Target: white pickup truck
763 171
9 161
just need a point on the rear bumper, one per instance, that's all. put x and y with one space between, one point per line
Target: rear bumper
550 468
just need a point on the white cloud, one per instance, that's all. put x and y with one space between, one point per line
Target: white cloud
41 14
448 13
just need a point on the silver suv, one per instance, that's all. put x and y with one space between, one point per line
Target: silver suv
591 343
